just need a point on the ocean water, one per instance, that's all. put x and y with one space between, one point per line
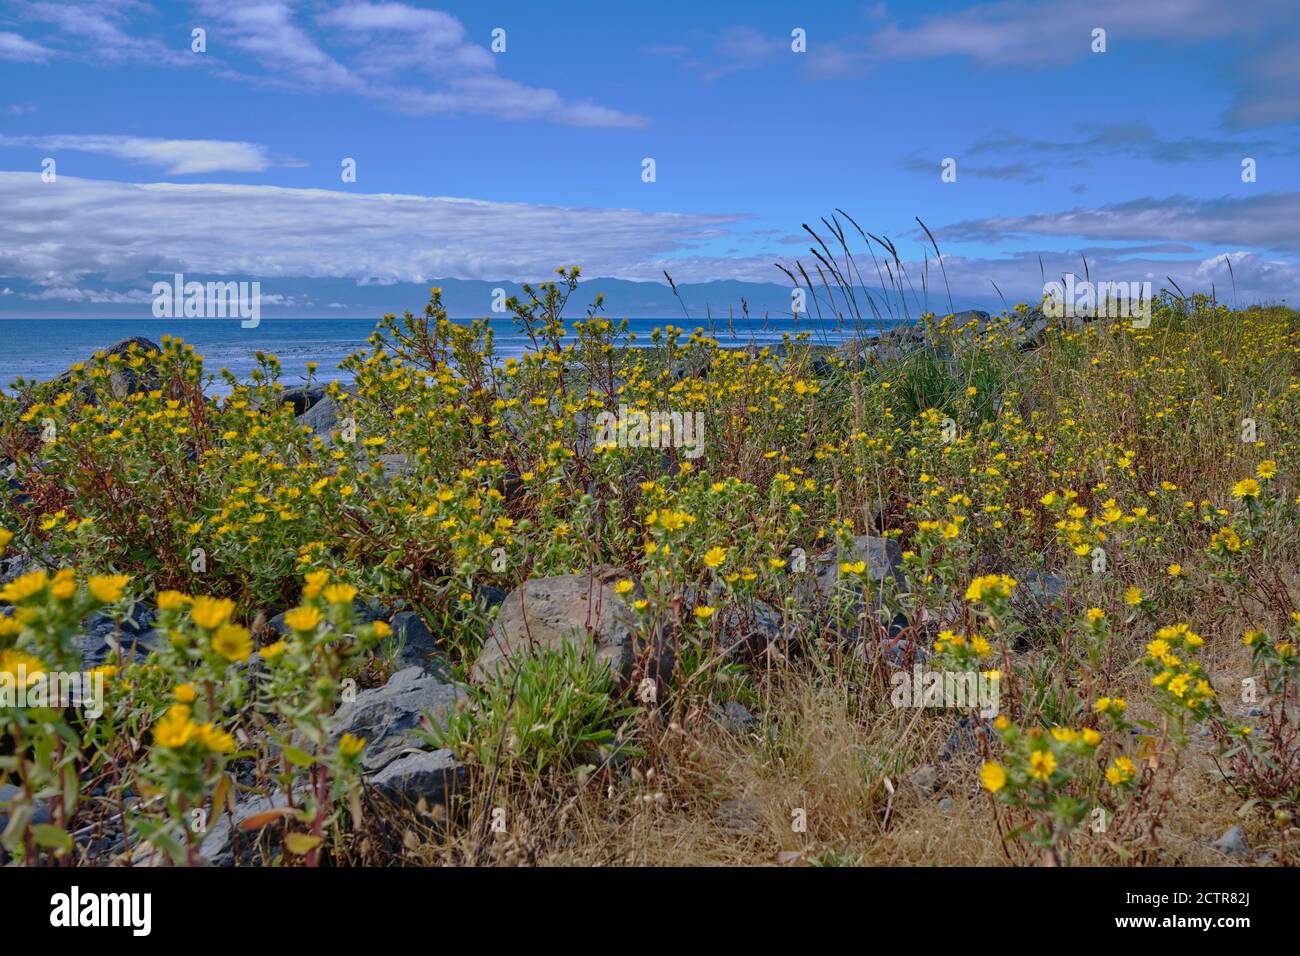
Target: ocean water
41 349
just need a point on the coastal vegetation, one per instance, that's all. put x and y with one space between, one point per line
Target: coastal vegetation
1101 519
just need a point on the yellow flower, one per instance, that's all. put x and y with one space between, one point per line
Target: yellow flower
1133 596
64 587
1041 764
704 612
171 600
382 629
1266 469
186 694
1175 570
996 584
271 651
233 642
315 582
5 537
1246 488
1096 614
215 739
340 593
1091 737
12 659
714 557
108 588
303 619
20 589
623 587
210 613
1121 771
350 746
993 777
175 729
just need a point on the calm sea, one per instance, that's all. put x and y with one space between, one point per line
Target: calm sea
40 349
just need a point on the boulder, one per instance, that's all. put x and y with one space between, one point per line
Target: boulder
136 638
124 380
547 612
749 626
302 398
323 417
1233 843
389 717
364 612
1038 603
883 556
218 846
734 717
842 594
395 466
412 644
959 319
432 776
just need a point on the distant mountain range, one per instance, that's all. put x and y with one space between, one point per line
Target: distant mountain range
99 296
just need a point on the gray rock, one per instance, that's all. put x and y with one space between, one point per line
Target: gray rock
740 816
302 398
844 593
363 612
124 380
218 846
924 780
959 319
945 805
964 737
9 793
750 626
883 556
433 776
1045 588
322 417
389 717
734 717
1038 603
1233 843
413 645
136 638
549 612
395 466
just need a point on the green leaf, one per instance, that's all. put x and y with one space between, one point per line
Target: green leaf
52 837
300 844
299 758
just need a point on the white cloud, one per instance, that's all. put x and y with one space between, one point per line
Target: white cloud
418 60
15 47
179 157
54 232
1263 221
393 47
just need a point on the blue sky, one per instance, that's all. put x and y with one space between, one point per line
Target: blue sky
483 165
